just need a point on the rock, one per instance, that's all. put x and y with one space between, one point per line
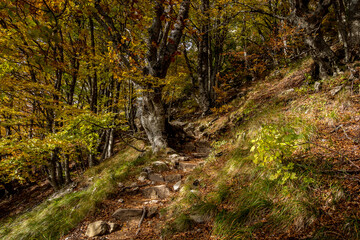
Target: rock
156 177
335 90
160 166
160 191
151 211
174 162
97 228
182 158
143 176
113 227
199 218
199 155
187 166
177 185
141 179
147 169
317 86
127 214
174 156
173 178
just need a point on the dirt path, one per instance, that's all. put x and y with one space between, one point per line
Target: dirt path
153 190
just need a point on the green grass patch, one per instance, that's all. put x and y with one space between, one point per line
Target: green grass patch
55 218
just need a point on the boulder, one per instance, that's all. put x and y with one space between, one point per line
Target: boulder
127 214
156 177
154 192
160 166
97 228
173 178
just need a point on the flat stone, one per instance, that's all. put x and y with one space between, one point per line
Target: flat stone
113 227
154 192
173 178
199 218
177 185
160 166
127 214
97 228
335 90
187 166
156 177
151 211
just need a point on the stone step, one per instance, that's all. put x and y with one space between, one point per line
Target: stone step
186 166
156 177
160 191
159 166
173 178
125 214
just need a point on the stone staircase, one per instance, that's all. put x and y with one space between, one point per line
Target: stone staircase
154 189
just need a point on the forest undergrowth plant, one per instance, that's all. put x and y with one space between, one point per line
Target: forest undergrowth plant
274 146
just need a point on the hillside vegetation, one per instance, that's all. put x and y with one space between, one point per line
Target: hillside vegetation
179 119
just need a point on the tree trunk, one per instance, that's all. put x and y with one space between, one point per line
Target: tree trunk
162 44
348 24
310 20
93 81
67 170
153 119
203 60
52 171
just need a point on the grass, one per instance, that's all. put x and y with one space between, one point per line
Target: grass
241 198
54 218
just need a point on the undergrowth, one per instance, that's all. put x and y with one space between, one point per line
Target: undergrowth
54 218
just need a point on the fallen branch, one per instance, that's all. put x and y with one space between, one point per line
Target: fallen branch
141 220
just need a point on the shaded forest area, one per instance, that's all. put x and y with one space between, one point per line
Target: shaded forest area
77 77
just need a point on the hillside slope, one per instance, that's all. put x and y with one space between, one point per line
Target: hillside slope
283 165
